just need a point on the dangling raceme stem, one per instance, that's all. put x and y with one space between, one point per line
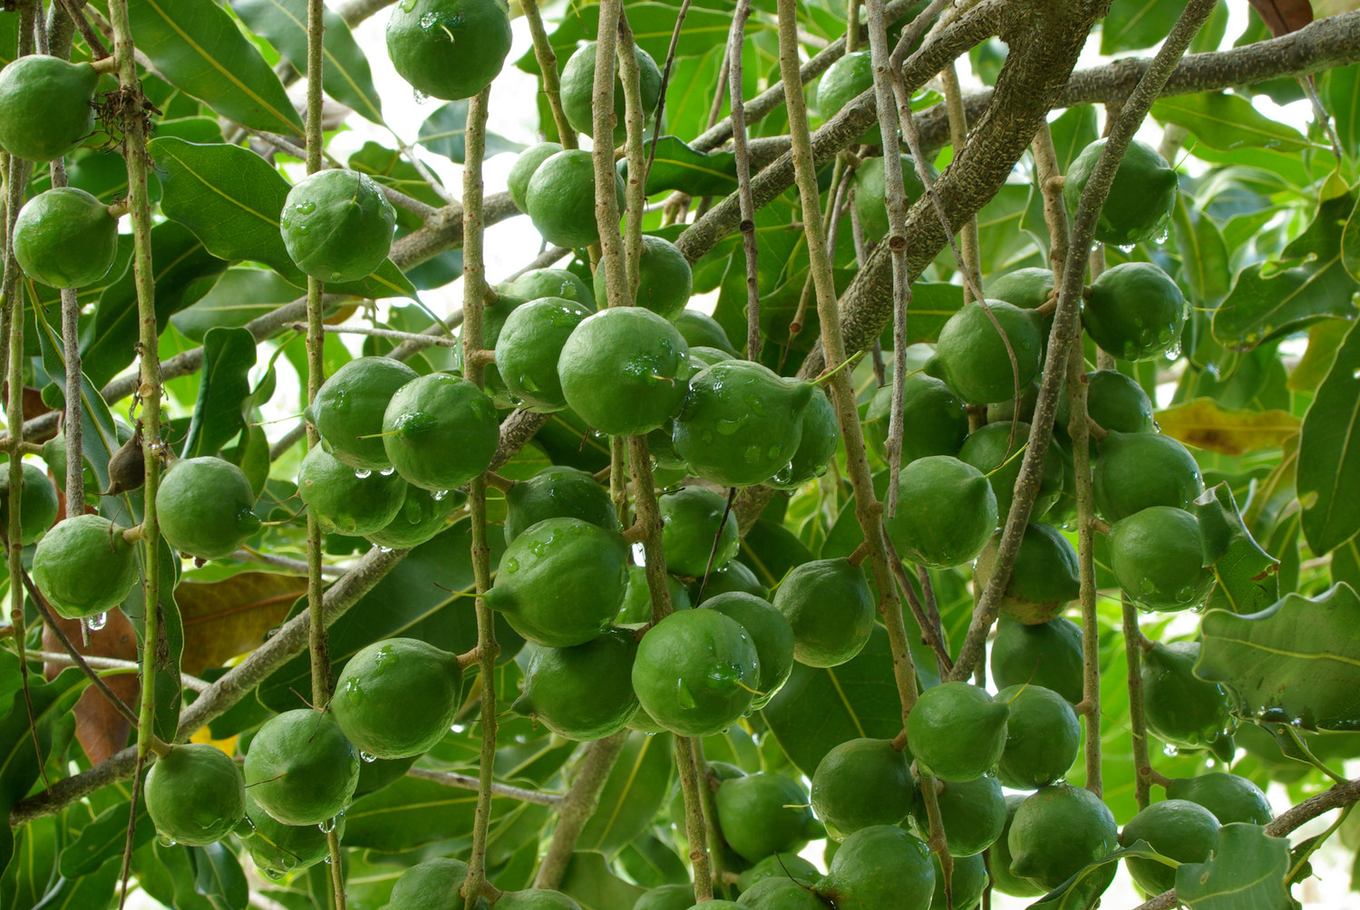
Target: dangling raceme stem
134 128
474 297
868 510
16 179
316 639
1049 180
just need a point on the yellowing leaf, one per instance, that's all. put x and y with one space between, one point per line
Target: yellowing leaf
1203 424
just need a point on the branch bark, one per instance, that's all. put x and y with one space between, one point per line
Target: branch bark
575 810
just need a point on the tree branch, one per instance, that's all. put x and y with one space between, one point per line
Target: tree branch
576 808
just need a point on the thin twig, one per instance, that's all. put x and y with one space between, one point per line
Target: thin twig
547 68
474 296
895 200
666 70
468 782
743 160
1048 176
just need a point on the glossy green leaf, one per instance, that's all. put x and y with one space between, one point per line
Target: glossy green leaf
103 839
19 765
443 133
1329 453
820 708
594 886
1340 91
82 891
1246 575
1132 25
1245 872
345 72
635 790
240 295
1206 268
184 270
410 813
651 862
197 47
228 357
1227 122
1309 282
1297 661
429 595
34 867
231 199
218 876
687 170
167 874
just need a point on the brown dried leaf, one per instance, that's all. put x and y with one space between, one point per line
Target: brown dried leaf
1283 16
225 618
100 729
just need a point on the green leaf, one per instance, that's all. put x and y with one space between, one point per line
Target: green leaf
429 595
651 863
1132 25
1247 576
167 874
1206 268
635 790
86 891
1329 453
679 167
1308 283
442 133
218 876
231 199
35 862
1227 122
1075 128
345 74
1297 661
1340 91
652 23
818 709
197 47
1245 872
240 295
228 356
594 886
183 269
410 813
19 766
103 839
